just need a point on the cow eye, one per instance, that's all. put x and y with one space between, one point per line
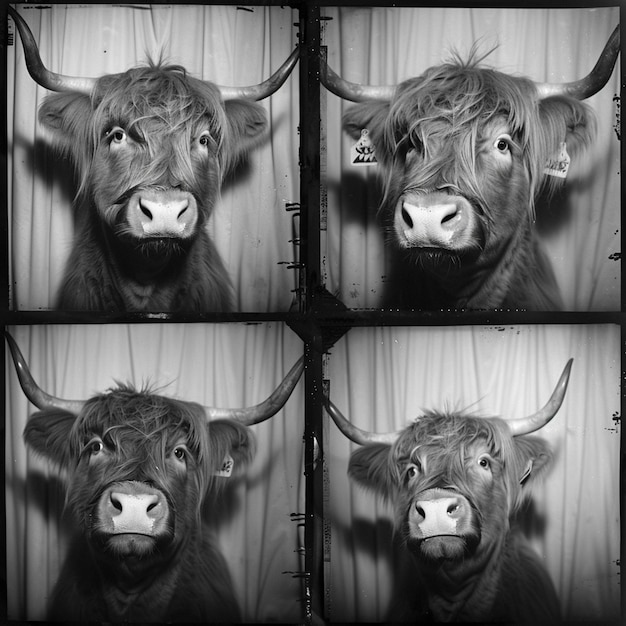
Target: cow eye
94 447
205 140
412 471
116 135
503 144
484 462
180 453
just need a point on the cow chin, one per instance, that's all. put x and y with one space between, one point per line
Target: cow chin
442 261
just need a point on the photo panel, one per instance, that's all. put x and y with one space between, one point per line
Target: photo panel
384 379
167 202
452 212
254 518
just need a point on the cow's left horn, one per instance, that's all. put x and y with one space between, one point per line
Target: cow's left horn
267 87
40 74
41 399
529 424
353 91
263 411
356 434
594 81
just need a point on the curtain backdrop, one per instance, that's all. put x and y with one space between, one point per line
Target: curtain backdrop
382 378
231 365
228 45
382 46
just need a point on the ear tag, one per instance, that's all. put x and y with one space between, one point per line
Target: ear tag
558 165
227 467
527 471
363 151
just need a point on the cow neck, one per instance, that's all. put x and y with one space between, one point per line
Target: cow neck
136 278
466 590
124 584
486 283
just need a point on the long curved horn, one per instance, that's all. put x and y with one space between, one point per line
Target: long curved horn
267 87
352 91
36 68
266 409
41 399
352 432
526 425
594 81
59 82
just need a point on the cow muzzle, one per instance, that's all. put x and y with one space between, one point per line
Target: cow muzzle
155 214
133 518
442 525
435 220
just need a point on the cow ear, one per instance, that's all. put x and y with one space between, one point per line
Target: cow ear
229 440
48 434
248 123
565 119
531 460
368 116
369 467
65 115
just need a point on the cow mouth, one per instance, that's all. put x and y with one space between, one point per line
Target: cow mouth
441 548
130 545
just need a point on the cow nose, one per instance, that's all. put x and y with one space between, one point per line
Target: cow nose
164 217
440 515
136 512
431 225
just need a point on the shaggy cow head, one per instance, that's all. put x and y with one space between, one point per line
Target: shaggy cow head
464 150
139 465
151 147
454 479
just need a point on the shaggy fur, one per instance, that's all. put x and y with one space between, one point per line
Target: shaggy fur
498 578
437 134
151 130
183 577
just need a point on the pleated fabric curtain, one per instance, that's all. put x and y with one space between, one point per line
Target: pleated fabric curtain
580 229
224 365
227 45
383 378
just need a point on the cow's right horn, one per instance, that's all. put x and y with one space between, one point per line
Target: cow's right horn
38 71
263 411
594 81
531 423
352 432
41 399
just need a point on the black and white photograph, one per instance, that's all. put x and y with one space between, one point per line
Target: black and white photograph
466 164
384 381
92 451
312 313
163 188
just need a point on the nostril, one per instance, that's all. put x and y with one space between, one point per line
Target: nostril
116 503
182 211
452 508
448 217
420 511
145 210
407 218
151 506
